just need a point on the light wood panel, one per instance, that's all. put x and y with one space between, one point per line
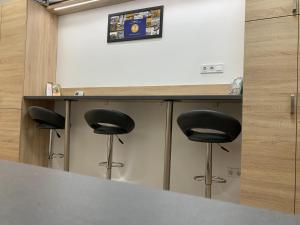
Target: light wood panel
34 141
297 197
261 9
0 19
218 89
9 134
28 41
13 19
40 67
269 130
81 7
41 48
12 53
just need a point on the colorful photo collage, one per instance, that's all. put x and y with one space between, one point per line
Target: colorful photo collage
146 23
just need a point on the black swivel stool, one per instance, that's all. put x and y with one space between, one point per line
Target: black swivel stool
109 122
47 119
209 127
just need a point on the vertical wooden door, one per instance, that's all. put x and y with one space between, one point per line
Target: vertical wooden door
269 128
297 197
12 53
9 134
12 60
262 9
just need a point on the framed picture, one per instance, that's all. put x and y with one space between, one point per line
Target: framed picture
135 25
49 87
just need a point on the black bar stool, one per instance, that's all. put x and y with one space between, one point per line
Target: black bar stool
109 122
209 127
50 120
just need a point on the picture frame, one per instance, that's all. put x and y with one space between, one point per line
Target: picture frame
146 23
49 89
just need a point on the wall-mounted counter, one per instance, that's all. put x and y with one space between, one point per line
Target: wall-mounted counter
168 99
237 98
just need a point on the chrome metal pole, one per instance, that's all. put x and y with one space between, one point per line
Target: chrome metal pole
168 145
208 171
50 151
67 136
109 156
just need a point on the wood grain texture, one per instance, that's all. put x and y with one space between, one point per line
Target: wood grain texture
269 130
9 134
40 67
83 7
218 89
34 142
1 6
297 195
262 9
12 53
41 49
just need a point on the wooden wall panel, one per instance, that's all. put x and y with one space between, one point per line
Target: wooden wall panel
9 134
269 129
12 53
262 9
41 48
40 68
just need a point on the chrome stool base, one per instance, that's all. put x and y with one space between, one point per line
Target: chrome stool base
109 164
208 178
114 164
215 179
51 154
56 156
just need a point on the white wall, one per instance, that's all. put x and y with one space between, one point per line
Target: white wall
195 32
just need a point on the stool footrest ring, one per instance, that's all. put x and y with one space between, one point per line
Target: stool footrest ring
114 164
215 179
56 156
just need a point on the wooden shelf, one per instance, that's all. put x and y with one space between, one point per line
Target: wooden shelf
67 7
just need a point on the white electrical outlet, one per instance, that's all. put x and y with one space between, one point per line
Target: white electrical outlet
233 172
212 68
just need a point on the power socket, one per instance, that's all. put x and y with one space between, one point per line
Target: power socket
212 68
233 172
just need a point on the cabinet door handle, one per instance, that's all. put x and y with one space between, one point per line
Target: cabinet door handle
293 104
295 7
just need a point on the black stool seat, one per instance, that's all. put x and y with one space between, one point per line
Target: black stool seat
109 122
46 118
216 127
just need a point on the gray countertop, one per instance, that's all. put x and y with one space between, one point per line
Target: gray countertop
38 196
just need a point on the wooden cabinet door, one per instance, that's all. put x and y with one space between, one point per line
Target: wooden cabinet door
297 197
269 128
9 134
12 53
262 9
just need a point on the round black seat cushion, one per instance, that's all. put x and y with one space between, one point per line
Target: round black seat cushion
46 118
209 126
109 122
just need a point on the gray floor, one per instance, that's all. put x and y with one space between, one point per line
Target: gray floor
38 196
